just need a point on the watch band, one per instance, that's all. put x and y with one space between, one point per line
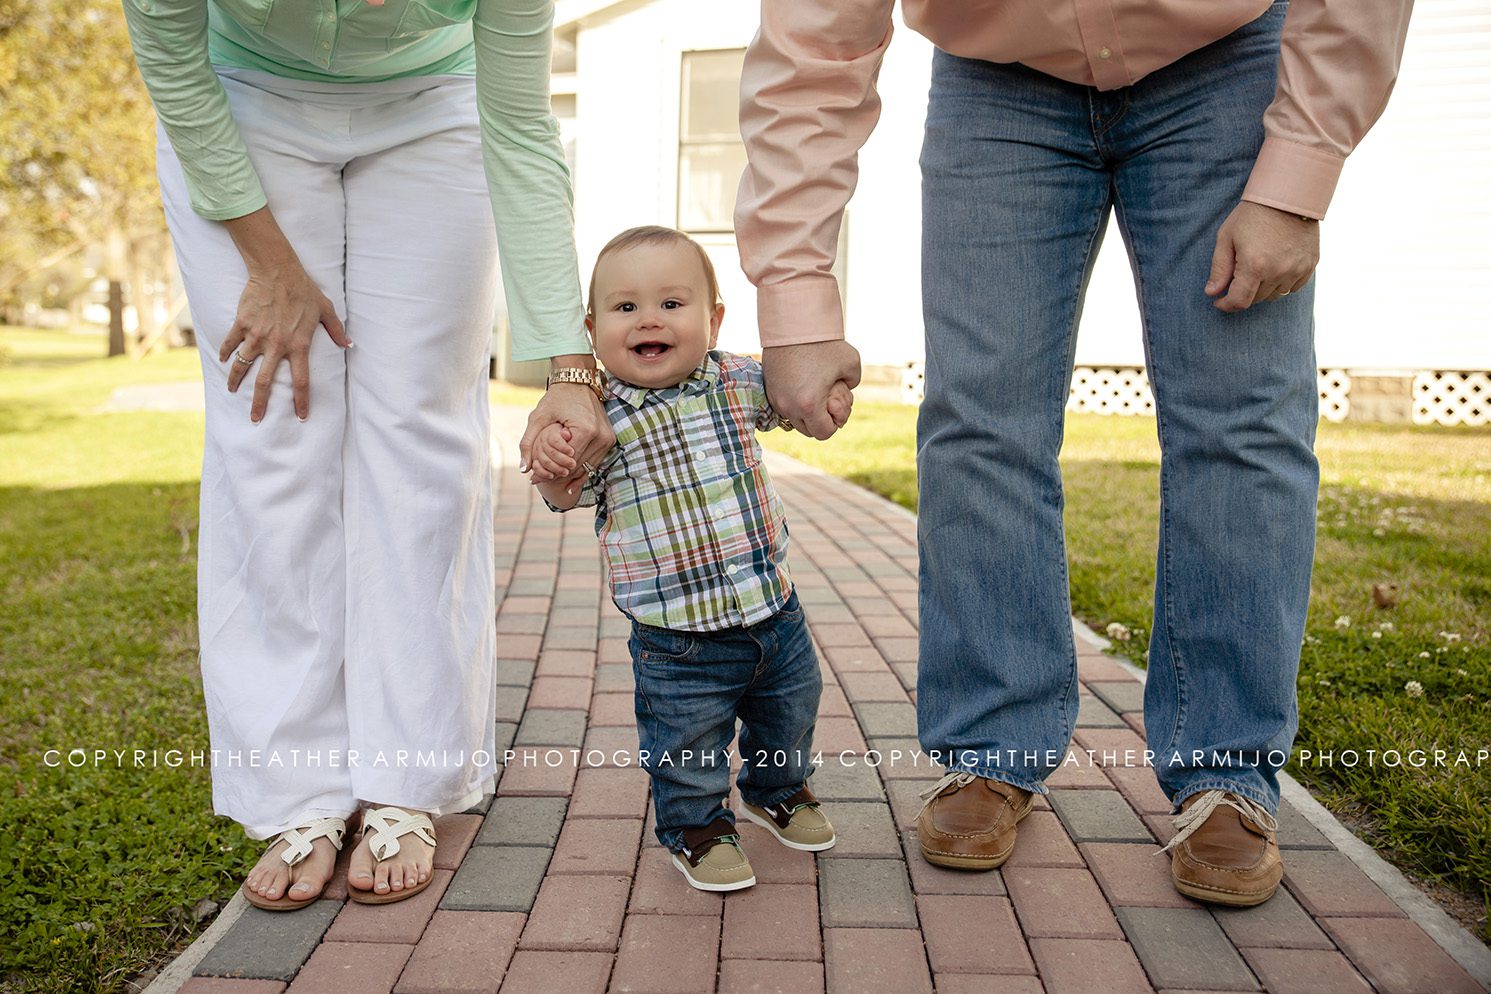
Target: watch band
592 378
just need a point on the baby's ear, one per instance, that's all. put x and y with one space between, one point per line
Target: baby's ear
714 323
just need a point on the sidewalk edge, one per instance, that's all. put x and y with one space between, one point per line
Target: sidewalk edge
179 970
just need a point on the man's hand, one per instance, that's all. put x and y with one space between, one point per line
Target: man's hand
1262 254
801 381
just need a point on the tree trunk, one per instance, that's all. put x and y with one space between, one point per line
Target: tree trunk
116 249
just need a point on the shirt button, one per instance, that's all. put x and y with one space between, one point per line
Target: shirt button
1104 53
732 569
327 44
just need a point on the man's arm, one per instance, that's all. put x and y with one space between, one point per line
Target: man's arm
808 104
1337 66
1336 70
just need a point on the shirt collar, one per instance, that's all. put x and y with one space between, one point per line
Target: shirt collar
702 379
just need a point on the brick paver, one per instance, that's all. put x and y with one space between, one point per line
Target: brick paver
224 985
462 952
558 884
667 955
1059 903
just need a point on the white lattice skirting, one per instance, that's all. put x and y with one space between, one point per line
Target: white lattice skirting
1335 394
1445 398
1448 398
1095 390
1108 390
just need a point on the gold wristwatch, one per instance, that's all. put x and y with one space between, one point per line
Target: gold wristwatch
592 378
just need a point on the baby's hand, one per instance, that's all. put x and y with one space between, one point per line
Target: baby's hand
840 403
552 452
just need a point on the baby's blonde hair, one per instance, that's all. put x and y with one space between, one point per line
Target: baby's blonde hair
652 234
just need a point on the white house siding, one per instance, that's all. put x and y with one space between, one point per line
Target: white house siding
1405 276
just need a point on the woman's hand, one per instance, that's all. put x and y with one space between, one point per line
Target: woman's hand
278 314
577 408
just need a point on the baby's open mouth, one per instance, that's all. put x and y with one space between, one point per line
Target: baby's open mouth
651 350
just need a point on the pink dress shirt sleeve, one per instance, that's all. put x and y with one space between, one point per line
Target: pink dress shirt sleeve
808 104
1337 65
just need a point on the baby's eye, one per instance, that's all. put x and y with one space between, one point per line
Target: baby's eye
671 304
626 307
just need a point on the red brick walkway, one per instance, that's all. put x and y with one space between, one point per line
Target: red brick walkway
557 884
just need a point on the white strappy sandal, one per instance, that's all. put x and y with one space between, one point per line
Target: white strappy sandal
388 824
297 848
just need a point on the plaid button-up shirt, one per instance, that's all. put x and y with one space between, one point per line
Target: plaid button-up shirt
693 531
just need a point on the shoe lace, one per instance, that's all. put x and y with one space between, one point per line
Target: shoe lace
1192 818
693 855
958 777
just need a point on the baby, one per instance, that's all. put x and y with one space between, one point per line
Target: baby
696 545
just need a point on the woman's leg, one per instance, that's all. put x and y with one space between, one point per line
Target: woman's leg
421 612
270 562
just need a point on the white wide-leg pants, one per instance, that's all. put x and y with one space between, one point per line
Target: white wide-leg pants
345 589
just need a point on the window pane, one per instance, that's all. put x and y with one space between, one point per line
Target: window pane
708 176
711 95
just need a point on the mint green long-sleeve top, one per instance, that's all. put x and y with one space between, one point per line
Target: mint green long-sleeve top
505 43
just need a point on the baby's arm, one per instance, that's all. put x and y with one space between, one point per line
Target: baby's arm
560 498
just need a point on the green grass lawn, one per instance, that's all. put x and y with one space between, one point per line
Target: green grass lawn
1403 505
100 866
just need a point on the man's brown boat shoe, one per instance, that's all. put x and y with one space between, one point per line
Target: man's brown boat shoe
1225 851
968 822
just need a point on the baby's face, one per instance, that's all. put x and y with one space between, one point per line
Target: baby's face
654 319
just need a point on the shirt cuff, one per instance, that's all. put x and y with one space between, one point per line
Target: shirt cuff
799 311
575 345
1294 178
228 212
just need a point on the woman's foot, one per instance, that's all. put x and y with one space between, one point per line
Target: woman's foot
405 870
272 880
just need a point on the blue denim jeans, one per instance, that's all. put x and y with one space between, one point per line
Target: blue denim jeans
691 688
1020 171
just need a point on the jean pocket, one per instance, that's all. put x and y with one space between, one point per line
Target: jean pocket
663 645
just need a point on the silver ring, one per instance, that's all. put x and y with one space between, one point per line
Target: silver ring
588 468
238 356
1284 293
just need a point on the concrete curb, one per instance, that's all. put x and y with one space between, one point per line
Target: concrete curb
175 975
